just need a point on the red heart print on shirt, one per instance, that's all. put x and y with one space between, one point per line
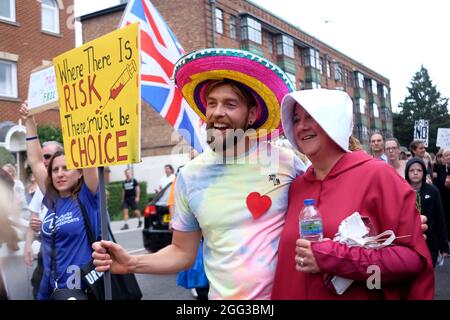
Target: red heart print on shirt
257 204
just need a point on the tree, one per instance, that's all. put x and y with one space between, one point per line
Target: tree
424 101
49 133
6 157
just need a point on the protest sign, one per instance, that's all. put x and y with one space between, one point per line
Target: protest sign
443 138
99 100
421 129
42 93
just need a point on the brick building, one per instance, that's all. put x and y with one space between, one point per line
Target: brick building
309 62
31 33
242 24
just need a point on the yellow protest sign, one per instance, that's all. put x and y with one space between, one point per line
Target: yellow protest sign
99 100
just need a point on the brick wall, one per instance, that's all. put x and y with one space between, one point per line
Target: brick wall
25 39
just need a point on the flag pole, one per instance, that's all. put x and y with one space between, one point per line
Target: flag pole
105 221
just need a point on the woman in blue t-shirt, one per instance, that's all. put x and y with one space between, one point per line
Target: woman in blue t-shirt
64 189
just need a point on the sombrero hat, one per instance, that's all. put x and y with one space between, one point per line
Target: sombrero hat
263 79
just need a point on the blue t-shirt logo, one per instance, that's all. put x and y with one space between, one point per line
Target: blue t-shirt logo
48 224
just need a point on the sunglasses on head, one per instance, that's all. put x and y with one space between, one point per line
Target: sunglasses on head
47 156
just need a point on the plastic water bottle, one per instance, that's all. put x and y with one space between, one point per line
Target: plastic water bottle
310 222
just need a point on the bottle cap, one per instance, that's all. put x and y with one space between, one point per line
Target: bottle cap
308 202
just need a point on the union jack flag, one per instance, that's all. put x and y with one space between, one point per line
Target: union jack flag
160 50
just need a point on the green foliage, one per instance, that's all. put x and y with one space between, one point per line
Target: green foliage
6 157
424 101
49 133
115 199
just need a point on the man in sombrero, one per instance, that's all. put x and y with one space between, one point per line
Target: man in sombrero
234 194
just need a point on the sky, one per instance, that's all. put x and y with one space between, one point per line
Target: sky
393 38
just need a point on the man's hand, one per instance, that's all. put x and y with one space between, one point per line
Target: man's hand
137 200
108 255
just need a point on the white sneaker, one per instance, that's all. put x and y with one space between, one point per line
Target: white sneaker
194 293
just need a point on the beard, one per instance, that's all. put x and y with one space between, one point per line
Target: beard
220 142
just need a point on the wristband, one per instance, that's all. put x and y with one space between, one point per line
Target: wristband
31 138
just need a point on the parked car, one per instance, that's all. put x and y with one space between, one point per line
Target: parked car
156 234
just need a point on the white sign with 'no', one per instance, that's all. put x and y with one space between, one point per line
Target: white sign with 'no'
421 129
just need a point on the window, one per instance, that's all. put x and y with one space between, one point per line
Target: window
337 71
362 106
385 92
300 53
302 85
359 80
363 133
219 21
321 65
270 42
292 78
251 30
312 85
328 71
376 112
232 27
8 10
374 87
8 79
50 16
285 46
312 58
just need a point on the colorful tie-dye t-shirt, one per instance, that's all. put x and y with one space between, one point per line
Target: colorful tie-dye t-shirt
240 247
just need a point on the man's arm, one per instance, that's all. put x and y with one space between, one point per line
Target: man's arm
180 255
138 193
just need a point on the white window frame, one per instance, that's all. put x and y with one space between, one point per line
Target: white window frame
251 30
270 42
293 79
337 71
233 27
285 46
219 20
54 10
359 83
362 106
385 92
374 88
375 110
12 11
10 92
312 58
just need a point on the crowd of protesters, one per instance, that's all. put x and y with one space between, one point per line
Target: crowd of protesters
213 202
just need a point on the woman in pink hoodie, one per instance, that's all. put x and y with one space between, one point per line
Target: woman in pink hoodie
319 123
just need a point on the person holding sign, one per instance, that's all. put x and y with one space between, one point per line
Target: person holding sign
66 246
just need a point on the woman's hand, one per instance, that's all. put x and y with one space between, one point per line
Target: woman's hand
304 258
35 224
25 112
